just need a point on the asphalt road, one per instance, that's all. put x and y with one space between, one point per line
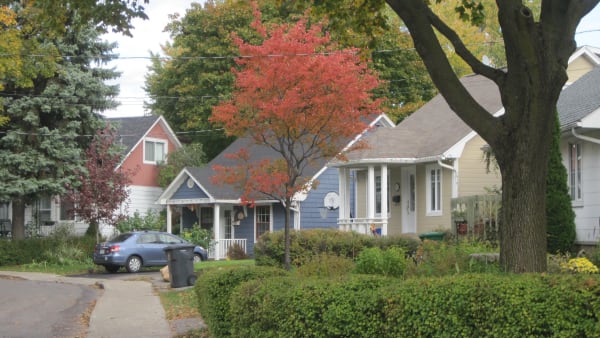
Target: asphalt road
44 309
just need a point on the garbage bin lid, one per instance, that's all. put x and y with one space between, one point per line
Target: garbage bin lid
179 247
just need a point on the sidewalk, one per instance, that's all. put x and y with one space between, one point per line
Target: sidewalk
125 309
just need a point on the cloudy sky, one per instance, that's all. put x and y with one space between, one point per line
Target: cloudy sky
148 36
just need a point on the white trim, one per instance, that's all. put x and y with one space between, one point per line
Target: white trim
591 120
180 179
589 51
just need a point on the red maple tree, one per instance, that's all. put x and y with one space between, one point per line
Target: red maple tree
298 95
103 189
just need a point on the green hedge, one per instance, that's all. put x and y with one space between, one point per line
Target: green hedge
269 250
42 249
213 289
290 307
468 305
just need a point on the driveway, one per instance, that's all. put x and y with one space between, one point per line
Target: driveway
44 309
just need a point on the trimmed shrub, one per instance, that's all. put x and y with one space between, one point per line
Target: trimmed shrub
467 305
269 250
312 307
492 305
325 265
214 287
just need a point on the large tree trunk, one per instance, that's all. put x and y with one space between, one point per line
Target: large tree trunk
18 218
523 214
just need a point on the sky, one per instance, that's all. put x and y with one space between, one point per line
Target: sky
148 36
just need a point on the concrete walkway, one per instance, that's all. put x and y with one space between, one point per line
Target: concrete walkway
125 309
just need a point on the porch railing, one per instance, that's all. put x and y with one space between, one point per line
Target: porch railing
361 225
220 247
476 216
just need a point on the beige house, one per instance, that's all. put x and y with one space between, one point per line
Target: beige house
403 182
406 178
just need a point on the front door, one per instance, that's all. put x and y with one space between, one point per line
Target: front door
409 199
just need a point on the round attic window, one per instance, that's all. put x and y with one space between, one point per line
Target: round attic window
190 183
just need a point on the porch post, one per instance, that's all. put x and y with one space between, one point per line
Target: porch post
217 231
342 184
384 199
371 193
169 216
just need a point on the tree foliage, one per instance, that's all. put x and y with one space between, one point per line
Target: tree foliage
53 116
559 213
101 186
299 96
190 155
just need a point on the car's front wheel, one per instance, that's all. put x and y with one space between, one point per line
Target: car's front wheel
112 268
134 264
197 258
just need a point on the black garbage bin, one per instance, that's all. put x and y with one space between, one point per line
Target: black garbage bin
181 265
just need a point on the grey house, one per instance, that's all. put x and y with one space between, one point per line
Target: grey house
217 207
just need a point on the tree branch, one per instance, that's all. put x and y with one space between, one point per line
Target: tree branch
440 70
477 66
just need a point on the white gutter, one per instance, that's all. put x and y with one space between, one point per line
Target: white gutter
583 137
444 165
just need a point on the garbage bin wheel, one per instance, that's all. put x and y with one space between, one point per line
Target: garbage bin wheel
197 258
192 280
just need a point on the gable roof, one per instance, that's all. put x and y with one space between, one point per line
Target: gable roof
225 192
590 53
430 132
131 130
579 100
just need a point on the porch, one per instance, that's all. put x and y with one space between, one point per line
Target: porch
220 247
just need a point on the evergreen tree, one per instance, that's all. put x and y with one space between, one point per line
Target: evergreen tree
559 213
52 121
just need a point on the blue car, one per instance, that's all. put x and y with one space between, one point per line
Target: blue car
138 249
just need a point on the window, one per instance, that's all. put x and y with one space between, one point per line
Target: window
434 189
263 219
3 210
378 194
228 226
44 209
575 171
155 151
206 218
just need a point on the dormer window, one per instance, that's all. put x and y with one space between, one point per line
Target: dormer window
155 151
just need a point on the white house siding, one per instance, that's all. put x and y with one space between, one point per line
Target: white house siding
587 211
141 199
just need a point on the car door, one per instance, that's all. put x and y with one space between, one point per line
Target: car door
151 249
168 240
